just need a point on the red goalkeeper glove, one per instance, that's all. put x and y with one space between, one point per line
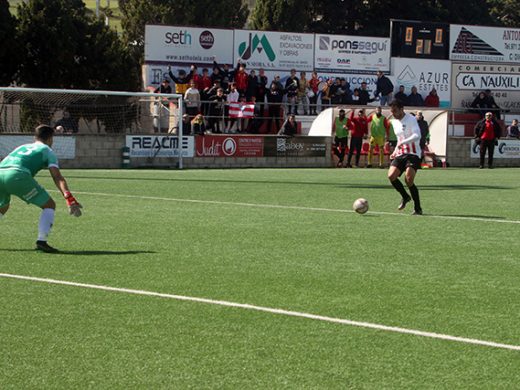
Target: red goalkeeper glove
72 204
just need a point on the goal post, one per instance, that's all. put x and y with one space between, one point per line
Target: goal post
91 112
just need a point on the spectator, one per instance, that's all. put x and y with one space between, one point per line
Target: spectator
192 99
261 89
67 123
303 86
164 87
326 95
354 100
195 77
205 81
340 134
186 125
385 88
216 76
401 96
232 97
487 133
198 126
226 74
358 130
205 84
278 84
432 100
379 126
181 82
254 124
491 104
291 90
289 127
415 99
252 86
512 129
216 110
336 92
241 78
425 131
346 97
480 104
274 100
313 98
363 95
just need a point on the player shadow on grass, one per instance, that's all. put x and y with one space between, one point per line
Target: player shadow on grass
83 253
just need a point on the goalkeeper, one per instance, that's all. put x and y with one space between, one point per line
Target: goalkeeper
17 173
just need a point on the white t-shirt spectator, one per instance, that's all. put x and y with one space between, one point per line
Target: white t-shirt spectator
192 98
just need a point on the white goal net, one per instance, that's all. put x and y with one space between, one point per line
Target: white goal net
88 112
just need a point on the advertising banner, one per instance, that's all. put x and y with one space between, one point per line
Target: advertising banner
425 75
295 147
413 39
343 53
504 149
469 79
159 146
274 50
229 146
484 44
176 44
64 147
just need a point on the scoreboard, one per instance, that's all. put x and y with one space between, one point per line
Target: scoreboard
413 39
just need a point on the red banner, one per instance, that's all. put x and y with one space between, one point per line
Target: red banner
229 146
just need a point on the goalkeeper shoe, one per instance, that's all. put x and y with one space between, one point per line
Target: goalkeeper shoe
44 247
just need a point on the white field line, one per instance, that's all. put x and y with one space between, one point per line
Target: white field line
288 207
272 311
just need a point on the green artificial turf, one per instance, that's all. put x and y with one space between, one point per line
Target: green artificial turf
453 271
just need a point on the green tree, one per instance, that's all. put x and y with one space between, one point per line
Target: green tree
9 49
63 47
137 13
506 12
282 15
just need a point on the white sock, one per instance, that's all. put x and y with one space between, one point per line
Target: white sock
45 225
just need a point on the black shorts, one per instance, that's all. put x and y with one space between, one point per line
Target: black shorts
340 142
393 144
407 161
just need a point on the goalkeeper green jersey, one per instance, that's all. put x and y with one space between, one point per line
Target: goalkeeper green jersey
30 158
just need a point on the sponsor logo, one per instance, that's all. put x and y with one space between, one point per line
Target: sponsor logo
229 147
469 43
206 39
353 45
324 43
255 43
178 38
407 74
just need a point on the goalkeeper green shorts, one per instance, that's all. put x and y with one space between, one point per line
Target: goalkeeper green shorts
23 185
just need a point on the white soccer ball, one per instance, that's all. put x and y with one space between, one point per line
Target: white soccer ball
60 129
360 206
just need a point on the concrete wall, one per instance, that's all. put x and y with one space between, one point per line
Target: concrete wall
104 151
459 150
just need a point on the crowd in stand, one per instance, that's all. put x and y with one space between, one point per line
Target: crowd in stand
211 96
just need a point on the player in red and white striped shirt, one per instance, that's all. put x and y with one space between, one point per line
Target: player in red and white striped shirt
406 157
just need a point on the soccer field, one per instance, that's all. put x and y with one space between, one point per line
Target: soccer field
265 279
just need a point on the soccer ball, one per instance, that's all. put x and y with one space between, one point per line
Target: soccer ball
360 206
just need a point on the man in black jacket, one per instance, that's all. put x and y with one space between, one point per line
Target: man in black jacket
364 97
385 88
487 133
